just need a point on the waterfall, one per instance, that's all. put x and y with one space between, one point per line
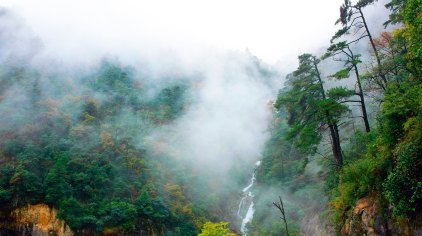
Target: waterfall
247 198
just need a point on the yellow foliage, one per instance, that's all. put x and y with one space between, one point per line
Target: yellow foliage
106 139
215 229
52 106
79 130
187 209
88 118
174 190
134 163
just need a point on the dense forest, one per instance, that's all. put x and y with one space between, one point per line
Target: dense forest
343 154
86 163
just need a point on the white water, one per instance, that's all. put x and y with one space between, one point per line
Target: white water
247 195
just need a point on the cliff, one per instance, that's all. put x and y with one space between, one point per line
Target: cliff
368 218
35 220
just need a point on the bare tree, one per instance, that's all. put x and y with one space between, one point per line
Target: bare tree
279 205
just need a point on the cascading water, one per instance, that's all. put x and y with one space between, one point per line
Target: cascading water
247 198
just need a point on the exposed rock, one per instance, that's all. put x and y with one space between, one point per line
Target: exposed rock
316 226
367 219
35 220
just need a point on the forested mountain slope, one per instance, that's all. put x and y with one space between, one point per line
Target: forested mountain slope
111 148
339 170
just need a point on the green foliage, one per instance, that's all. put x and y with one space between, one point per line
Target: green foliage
347 10
335 48
364 3
152 208
396 8
384 163
79 154
340 33
307 106
281 161
117 84
360 144
79 215
357 179
339 93
215 229
401 103
402 119
413 24
341 74
387 161
121 214
403 186
82 156
169 104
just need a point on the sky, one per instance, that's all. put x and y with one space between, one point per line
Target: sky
273 30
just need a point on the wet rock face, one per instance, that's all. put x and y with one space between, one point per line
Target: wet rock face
34 220
24 230
366 218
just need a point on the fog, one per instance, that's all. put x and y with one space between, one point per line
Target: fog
233 55
229 100
272 30
228 120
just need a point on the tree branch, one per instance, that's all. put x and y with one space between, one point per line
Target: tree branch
279 205
357 40
350 101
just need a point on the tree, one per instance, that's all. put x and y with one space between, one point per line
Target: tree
352 18
351 62
407 12
396 7
413 33
309 109
215 229
392 48
280 206
120 214
401 136
407 40
152 210
118 85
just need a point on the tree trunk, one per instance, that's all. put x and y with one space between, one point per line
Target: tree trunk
362 101
380 71
335 137
335 145
339 151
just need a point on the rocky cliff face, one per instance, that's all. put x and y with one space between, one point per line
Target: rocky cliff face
35 220
366 218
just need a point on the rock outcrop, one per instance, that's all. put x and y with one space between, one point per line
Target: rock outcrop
366 218
35 220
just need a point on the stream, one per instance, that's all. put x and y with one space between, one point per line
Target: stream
246 202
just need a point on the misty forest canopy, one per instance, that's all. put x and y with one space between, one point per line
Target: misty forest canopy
346 128
91 143
80 152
